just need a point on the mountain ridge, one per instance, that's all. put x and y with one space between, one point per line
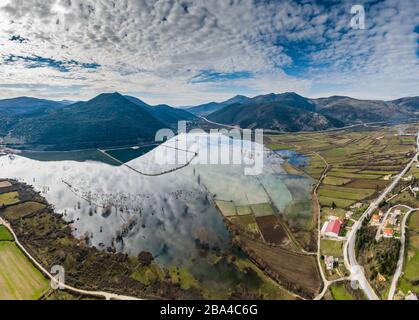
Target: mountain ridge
116 119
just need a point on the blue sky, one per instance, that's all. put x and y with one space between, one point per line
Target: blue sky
185 52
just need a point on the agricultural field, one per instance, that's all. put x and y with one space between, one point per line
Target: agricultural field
9 198
5 184
410 276
272 230
343 291
331 248
5 235
359 161
294 271
22 209
19 279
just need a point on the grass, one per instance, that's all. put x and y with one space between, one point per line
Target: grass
227 208
148 274
244 210
268 287
9 198
353 175
331 248
183 277
414 221
340 213
411 272
299 269
23 209
276 146
19 279
262 209
339 292
246 223
342 194
5 235
367 184
341 203
335 181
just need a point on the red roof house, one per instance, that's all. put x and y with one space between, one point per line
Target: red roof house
376 218
333 228
388 233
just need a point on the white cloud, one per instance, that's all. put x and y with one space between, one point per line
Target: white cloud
154 48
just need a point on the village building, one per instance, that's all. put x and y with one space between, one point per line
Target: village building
375 218
388 233
329 261
332 228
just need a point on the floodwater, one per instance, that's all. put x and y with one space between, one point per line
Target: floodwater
148 206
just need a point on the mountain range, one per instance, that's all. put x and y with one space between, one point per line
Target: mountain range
292 112
112 119
109 119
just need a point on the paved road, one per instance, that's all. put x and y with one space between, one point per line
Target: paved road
357 272
326 283
100 294
399 268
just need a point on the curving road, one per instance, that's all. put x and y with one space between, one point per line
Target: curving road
399 268
100 294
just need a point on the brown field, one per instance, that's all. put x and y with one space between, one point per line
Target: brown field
19 280
5 184
295 271
272 230
22 210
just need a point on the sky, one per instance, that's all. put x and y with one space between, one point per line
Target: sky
187 52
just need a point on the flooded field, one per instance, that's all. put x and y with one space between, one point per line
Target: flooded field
144 205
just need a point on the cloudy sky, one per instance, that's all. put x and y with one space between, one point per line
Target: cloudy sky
185 52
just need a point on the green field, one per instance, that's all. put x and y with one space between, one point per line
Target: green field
262 209
339 292
414 222
227 208
334 181
331 248
5 234
410 277
343 193
19 279
244 210
23 209
148 274
9 198
341 203
411 272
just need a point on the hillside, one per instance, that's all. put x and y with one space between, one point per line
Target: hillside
208 108
273 116
106 120
409 103
16 109
292 112
352 110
